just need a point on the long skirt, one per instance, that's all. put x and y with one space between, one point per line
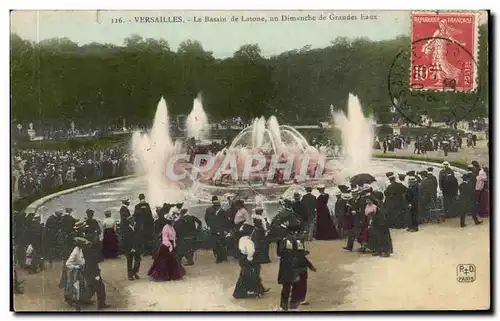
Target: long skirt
363 236
300 292
165 266
295 293
325 229
110 247
483 198
379 240
73 284
248 284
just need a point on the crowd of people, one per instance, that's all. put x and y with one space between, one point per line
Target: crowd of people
172 236
35 170
423 144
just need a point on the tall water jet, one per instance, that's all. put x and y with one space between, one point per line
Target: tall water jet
197 121
153 151
274 128
357 136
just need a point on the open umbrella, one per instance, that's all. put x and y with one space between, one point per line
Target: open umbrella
361 179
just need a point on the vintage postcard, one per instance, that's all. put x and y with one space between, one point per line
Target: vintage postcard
250 160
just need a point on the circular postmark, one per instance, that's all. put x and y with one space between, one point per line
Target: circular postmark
419 82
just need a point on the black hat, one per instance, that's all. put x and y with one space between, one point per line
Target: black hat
344 188
389 174
423 173
430 169
296 195
410 173
141 196
215 199
184 210
179 205
475 163
286 203
372 198
309 189
125 200
89 211
401 177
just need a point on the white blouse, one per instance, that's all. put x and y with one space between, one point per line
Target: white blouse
75 259
242 215
247 247
108 223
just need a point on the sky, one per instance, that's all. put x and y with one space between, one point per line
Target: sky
223 39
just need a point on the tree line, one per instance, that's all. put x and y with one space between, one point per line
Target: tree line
60 81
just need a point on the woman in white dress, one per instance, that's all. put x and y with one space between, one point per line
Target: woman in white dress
73 282
110 249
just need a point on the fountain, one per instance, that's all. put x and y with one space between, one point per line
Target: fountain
357 137
153 150
197 121
284 155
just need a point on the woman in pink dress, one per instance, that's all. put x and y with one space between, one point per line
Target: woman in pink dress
165 266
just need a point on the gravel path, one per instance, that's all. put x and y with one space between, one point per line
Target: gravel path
420 275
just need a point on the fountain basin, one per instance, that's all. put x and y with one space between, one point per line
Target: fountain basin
108 195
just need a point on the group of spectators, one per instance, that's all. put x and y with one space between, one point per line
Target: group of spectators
392 142
423 144
36 170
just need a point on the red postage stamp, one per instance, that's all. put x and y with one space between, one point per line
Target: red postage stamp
444 49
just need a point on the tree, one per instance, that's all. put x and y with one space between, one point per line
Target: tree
59 80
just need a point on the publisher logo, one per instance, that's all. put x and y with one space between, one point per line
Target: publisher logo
466 273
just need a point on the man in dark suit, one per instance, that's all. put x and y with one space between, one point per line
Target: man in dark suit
434 179
309 201
124 215
449 186
412 197
124 211
145 223
92 274
53 237
93 229
219 225
187 228
68 221
301 210
132 247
